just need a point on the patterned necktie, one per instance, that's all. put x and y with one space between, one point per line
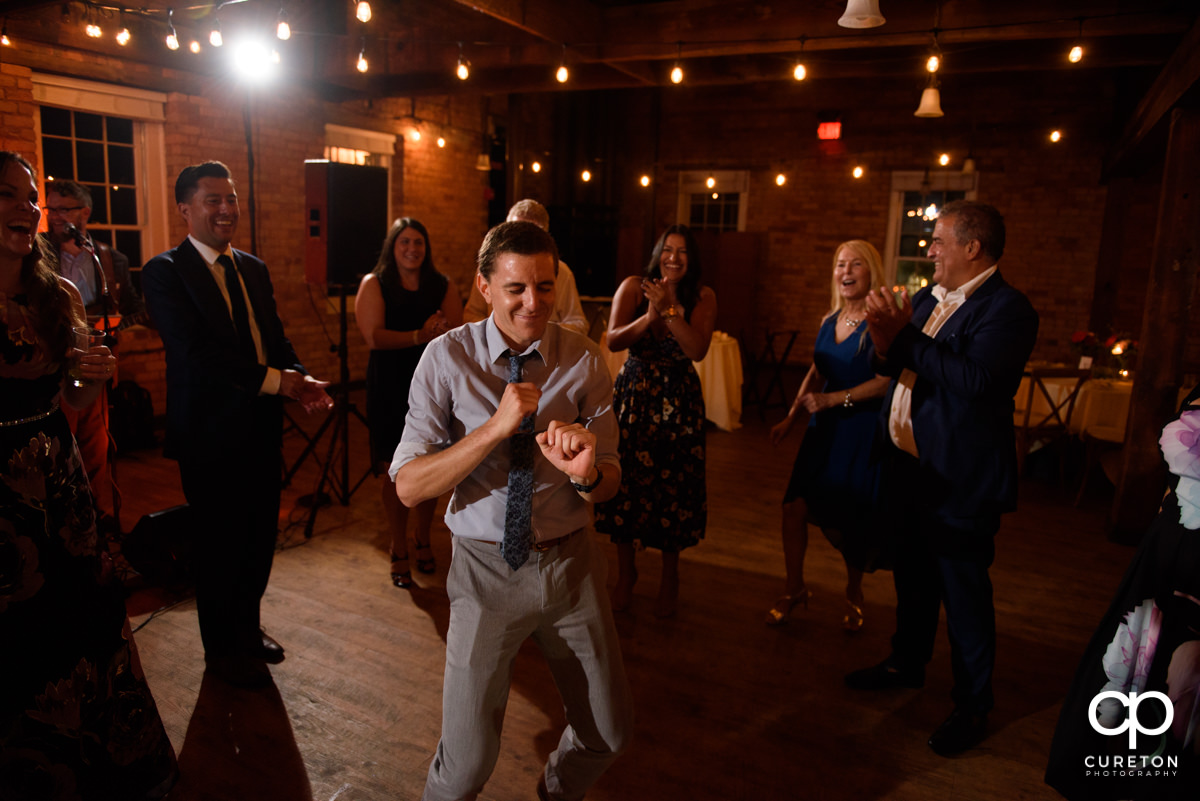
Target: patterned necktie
518 514
237 303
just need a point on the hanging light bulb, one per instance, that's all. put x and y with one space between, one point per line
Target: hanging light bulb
563 74
172 39
933 63
362 65
214 37
463 70
275 59
858 172
1055 135
780 179
711 182
92 29
1076 54
931 100
123 36
799 72
416 134
194 46
441 141
677 71
536 166
4 40
363 11
283 30
586 176
644 180
944 159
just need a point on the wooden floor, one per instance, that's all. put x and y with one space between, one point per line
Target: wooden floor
727 708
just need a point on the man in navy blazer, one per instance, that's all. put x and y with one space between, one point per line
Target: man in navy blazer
229 367
956 355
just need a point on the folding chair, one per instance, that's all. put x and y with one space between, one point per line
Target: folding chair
1049 401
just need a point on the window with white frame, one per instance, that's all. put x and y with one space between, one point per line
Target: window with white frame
110 139
714 201
359 146
916 199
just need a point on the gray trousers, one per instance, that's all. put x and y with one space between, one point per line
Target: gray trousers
559 598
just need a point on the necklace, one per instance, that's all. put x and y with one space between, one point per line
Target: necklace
849 323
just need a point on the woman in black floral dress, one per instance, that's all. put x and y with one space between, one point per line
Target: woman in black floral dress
665 319
77 720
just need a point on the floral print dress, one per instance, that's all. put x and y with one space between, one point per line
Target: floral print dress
77 720
663 500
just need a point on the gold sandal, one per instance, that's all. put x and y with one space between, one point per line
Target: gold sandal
778 614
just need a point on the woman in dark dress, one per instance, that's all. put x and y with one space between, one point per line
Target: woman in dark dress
833 483
1148 644
77 720
666 320
401 305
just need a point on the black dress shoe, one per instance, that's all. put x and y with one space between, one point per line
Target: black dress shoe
959 732
269 651
886 676
240 671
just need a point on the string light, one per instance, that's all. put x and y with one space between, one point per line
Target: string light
799 72
172 39
644 180
536 166
362 65
780 179
1055 135
858 172
463 70
933 64
4 40
586 176
93 30
283 31
944 159
441 141
677 71
563 73
363 11
123 36
711 182
194 46
214 36
1076 54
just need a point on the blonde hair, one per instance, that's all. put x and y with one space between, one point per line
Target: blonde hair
865 251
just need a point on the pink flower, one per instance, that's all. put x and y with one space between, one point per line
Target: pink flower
1180 443
1128 658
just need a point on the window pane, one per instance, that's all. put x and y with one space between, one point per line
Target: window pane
730 216
712 217
123 202
914 274
120 130
101 236
99 206
120 165
89 159
696 218
56 121
89 126
57 155
130 243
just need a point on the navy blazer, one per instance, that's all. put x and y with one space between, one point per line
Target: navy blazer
962 399
213 405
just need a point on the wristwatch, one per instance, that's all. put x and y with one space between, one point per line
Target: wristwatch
586 488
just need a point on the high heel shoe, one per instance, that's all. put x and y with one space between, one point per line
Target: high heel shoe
401 575
426 564
853 621
778 614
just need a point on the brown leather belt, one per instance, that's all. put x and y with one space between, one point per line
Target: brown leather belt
543 545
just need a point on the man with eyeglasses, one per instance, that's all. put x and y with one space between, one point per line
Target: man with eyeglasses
70 204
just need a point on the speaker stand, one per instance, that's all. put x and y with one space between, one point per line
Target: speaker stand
335 467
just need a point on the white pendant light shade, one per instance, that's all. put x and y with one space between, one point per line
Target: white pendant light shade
931 103
862 14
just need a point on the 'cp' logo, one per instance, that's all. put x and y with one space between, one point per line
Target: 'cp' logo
1131 723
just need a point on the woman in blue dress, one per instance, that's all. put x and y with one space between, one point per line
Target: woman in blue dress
833 484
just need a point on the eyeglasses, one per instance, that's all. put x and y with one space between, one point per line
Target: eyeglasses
61 210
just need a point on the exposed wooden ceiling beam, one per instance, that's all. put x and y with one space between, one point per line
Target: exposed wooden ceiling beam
1179 75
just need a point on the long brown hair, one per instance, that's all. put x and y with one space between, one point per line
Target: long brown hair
49 304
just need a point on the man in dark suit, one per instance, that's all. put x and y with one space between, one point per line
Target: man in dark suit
956 355
229 367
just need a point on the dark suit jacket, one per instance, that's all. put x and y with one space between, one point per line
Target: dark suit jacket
962 400
213 405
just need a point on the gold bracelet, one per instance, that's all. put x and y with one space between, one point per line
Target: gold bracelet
671 313
416 336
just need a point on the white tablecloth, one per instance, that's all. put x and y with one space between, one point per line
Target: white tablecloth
1102 405
720 378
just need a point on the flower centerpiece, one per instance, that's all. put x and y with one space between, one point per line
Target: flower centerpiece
1123 350
1087 345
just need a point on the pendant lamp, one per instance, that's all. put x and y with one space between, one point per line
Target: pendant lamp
862 14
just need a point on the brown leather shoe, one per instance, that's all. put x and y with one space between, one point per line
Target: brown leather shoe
271 652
